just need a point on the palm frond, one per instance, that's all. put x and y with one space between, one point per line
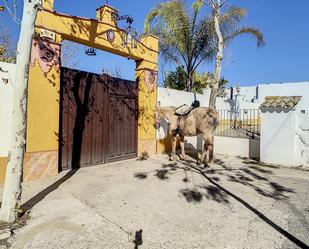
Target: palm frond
257 34
233 14
175 28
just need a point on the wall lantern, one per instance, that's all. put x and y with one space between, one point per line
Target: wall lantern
128 36
128 40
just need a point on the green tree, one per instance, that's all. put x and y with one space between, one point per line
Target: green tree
177 80
184 36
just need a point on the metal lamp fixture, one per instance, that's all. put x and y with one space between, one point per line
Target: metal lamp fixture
128 35
128 40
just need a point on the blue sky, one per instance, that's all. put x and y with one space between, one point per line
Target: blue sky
285 57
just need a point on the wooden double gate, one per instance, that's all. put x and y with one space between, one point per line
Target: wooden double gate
98 119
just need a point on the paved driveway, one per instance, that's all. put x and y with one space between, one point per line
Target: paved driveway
161 204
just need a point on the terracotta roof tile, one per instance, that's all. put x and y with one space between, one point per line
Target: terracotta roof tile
284 102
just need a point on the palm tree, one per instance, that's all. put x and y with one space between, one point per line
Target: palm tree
227 27
184 37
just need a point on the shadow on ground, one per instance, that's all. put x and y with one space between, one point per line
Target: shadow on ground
252 175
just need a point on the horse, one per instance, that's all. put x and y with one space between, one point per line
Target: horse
200 121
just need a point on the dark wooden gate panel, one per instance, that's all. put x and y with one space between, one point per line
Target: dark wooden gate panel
98 119
122 138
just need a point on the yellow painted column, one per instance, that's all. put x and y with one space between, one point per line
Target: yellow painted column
147 78
41 159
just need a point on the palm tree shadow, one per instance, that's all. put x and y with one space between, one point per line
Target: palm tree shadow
227 193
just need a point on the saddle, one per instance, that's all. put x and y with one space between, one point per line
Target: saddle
183 111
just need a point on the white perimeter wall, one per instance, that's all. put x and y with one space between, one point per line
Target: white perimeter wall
302 139
278 140
171 97
286 143
6 101
285 138
248 148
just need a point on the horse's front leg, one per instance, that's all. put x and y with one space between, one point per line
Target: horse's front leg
173 156
182 147
211 151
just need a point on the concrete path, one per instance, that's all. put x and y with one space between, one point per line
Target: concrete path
161 204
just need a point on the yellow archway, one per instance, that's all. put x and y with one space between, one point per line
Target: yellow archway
41 158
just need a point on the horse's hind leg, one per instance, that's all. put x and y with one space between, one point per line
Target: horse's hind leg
182 147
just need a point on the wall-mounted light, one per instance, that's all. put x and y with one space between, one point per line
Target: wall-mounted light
128 41
128 35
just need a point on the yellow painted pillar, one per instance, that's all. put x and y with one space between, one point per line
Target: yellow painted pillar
41 159
147 78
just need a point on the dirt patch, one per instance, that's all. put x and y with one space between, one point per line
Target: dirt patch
8 229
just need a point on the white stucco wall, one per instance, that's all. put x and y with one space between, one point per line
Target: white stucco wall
247 93
302 139
232 146
171 97
278 140
242 101
6 100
